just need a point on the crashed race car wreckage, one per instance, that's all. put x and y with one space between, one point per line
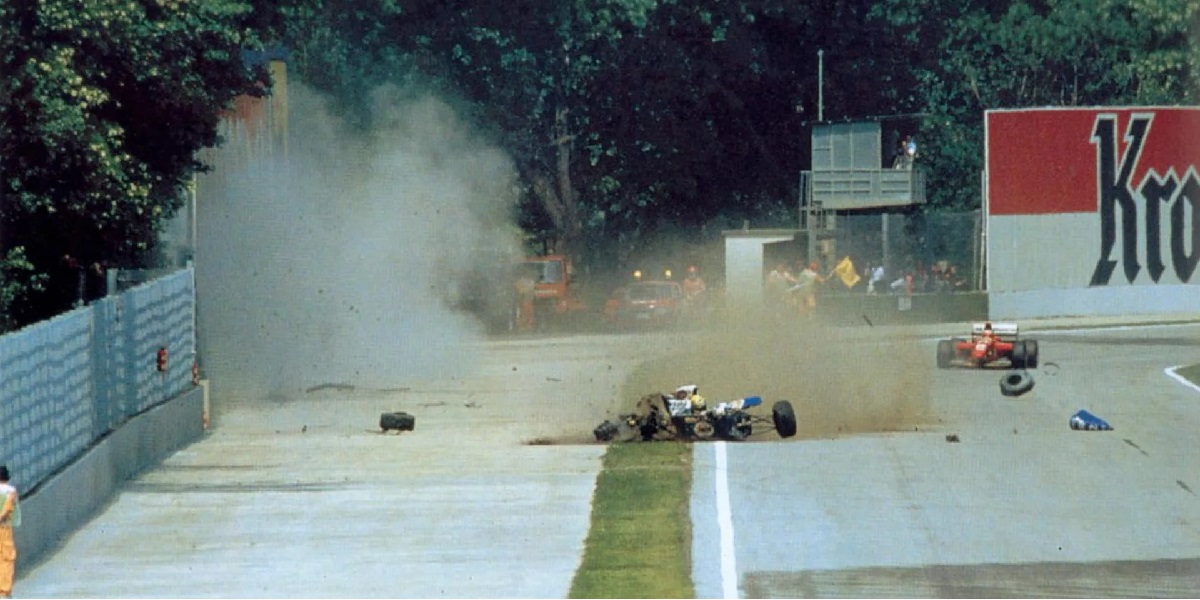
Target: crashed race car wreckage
681 417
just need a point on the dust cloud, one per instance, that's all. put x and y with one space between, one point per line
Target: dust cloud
839 380
339 262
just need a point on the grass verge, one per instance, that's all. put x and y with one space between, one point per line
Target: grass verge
640 540
1190 373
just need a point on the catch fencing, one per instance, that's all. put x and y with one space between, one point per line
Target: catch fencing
69 381
914 243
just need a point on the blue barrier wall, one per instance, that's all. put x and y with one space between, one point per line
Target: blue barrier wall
67 382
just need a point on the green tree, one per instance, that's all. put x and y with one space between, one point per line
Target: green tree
973 56
105 104
624 116
520 68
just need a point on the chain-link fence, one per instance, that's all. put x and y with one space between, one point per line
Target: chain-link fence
73 379
942 251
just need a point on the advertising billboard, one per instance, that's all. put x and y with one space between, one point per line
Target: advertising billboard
1092 211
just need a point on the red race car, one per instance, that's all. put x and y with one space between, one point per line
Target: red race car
648 303
990 345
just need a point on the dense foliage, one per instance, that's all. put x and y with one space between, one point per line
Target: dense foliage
624 117
1038 53
105 104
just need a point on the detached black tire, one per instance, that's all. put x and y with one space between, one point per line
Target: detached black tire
398 421
785 418
606 431
1014 383
617 430
945 353
1031 354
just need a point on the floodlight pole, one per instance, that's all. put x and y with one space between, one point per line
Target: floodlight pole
820 85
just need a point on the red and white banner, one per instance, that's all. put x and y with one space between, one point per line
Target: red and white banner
1060 160
1129 176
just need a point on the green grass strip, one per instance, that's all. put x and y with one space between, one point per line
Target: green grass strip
640 541
1190 373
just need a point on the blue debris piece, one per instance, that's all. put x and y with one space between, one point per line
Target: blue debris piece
1088 422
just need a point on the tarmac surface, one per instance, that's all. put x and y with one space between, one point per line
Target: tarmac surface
489 496
307 498
982 496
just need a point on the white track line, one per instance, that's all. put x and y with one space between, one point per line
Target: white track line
1170 371
729 581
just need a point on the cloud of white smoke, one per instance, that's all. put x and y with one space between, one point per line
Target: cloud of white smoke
332 263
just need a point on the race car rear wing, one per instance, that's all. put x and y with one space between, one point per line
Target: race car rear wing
1004 331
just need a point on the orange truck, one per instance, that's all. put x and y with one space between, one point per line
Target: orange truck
555 288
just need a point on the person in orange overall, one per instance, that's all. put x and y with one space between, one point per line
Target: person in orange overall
694 289
805 290
10 516
525 287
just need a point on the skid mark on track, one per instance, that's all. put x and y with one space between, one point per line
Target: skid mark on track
1136 447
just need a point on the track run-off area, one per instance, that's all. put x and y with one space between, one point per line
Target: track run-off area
490 495
992 496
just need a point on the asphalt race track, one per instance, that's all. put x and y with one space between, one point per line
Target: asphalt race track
489 496
1017 505
304 497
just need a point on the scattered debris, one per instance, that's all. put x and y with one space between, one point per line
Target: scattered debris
952 438
1050 368
397 421
471 404
1185 487
1086 421
429 404
553 379
868 321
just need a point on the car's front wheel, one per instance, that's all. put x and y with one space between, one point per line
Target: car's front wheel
784 418
945 353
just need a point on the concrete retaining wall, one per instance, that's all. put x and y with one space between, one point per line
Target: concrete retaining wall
71 497
861 309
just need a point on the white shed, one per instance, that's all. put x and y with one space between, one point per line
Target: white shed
744 262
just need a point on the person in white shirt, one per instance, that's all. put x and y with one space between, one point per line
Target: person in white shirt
876 276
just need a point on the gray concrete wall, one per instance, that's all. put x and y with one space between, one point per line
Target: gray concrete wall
72 496
1140 300
886 309
1042 266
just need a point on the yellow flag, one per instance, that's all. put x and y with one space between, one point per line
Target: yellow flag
846 272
